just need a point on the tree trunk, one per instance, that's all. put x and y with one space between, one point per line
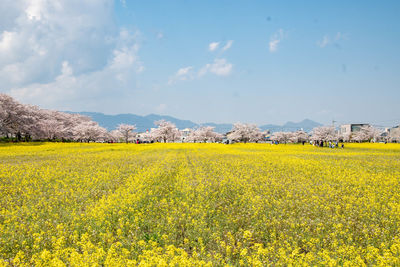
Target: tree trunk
18 137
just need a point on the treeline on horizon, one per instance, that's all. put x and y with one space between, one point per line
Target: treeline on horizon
21 122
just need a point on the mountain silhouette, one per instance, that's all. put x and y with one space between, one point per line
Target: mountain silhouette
143 123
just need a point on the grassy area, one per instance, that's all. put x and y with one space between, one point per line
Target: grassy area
198 204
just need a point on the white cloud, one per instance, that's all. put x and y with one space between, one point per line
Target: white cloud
273 45
275 40
46 33
219 67
213 46
228 45
35 9
8 43
324 42
116 77
183 74
66 70
184 71
328 40
59 52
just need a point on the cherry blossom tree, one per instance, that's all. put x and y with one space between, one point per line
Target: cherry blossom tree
324 133
204 134
114 136
166 131
90 131
345 137
19 120
299 137
281 137
244 132
50 125
366 133
126 131
146 137
16 119
13 116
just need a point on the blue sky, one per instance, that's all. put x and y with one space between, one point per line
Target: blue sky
221 61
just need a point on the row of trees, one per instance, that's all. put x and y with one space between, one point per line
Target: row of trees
328 133
165 132
26 122
242 132
168 132
19 122
29 122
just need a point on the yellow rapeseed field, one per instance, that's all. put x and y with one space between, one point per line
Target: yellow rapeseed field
199 204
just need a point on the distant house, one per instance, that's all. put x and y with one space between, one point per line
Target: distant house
385 135
394 134
351 128
186 132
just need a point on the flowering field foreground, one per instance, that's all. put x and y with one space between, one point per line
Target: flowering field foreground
199 204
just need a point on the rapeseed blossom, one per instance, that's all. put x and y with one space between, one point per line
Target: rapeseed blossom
199 204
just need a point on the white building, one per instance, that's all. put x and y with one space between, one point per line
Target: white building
186 132
394 134
351 128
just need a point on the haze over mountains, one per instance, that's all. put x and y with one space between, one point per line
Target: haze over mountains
143 123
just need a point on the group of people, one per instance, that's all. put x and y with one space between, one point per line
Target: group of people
330 144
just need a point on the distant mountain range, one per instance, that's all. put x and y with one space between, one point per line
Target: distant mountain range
305 125
143 123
